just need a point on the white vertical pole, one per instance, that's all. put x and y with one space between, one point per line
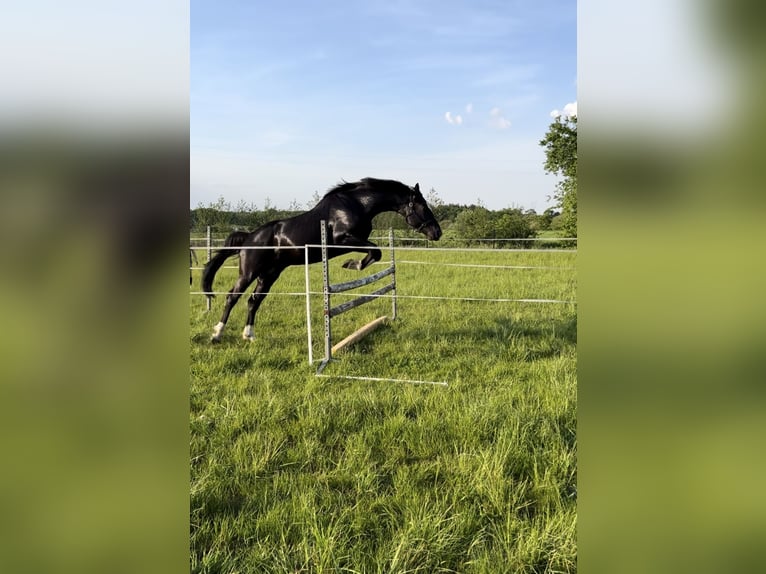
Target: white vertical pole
209 257
308 307
393 275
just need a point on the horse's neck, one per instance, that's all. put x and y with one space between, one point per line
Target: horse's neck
377 203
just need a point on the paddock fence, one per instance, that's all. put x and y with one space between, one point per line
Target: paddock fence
331 291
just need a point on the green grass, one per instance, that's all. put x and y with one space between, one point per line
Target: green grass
294 473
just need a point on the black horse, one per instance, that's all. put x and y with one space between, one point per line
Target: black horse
348 210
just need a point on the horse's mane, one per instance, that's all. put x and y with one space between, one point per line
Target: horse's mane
342 186
367 182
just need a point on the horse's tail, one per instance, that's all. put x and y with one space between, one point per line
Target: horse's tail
235 239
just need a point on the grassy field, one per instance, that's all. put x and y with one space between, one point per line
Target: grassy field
294 473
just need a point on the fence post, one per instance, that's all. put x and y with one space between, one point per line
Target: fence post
326 289
393 274
209 257
308 305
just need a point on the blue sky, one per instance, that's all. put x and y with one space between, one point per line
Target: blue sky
288 98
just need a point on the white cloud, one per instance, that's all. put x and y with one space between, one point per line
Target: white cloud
455 120
498 120
570 111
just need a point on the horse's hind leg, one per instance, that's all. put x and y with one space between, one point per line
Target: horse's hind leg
254 302
236 292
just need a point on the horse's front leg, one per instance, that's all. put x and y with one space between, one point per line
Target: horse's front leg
373 254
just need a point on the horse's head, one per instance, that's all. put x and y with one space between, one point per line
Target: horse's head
419 216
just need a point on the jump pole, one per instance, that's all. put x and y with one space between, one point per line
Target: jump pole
359 334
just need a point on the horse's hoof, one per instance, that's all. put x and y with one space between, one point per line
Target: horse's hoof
217 332
352 264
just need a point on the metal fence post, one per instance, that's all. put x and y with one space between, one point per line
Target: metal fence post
326 290
393 274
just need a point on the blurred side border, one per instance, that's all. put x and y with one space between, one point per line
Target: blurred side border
671 314
94 173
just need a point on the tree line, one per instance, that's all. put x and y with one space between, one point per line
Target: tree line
458 221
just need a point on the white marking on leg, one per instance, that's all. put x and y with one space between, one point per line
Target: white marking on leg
247 333
353 264
217 330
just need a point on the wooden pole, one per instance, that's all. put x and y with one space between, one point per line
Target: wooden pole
359 333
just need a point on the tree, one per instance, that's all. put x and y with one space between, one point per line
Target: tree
216 214
512 224
433 199
475 223
316 198
560 143
295 205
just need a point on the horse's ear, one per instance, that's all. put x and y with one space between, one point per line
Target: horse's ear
417 187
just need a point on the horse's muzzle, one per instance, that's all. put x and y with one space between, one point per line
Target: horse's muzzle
432 230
